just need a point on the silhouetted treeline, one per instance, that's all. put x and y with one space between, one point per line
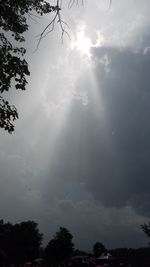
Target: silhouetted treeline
135 257
59 248
21 242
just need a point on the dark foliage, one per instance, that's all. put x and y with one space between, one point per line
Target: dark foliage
60 247
146 229
21 242
135 257
98 249
2 258
7 115
13 66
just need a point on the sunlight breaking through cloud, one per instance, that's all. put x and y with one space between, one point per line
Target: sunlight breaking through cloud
83 43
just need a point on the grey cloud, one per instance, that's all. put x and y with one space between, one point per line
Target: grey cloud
109 153
125 93
85 164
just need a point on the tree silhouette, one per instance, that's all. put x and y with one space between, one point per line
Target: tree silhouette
2 258
13 66
98 249
146 229
60 247
21 242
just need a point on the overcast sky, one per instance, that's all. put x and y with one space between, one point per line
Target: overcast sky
79 157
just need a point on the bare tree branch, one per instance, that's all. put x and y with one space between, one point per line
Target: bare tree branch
31 16
110 2
72 2
43 33
57 19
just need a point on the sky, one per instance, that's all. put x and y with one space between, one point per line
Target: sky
79 156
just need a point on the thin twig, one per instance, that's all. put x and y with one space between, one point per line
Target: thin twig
71 3
110 2
57 19
33 15
30 16
49 25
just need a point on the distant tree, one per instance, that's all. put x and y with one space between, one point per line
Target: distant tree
28 239
78 252
60 247
146 229
98 249
6 232
21 241
2 258
139 257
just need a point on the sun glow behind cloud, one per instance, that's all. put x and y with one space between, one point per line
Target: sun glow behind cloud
83 42
73 118
57 104
59 93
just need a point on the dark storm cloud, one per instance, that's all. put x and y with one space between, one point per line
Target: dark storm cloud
79 157
126 96
109 152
